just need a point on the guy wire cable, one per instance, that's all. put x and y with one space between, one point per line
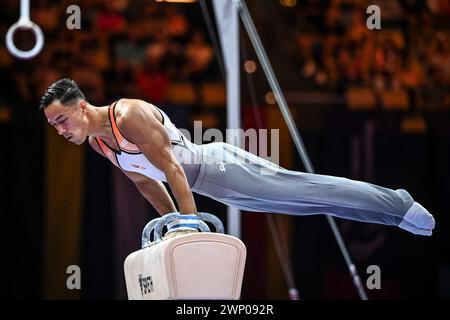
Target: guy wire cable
264 60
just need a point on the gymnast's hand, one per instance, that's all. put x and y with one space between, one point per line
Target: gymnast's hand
186 223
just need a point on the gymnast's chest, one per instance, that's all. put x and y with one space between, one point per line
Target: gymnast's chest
139 163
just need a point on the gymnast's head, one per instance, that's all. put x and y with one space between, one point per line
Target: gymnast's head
67 110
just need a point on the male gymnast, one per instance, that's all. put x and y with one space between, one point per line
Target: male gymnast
140 139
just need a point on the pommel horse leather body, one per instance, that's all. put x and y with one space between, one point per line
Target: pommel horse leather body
199 265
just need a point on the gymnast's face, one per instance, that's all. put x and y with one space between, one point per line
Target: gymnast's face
70 121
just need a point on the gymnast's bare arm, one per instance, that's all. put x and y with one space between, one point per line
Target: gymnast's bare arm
154 191
138 123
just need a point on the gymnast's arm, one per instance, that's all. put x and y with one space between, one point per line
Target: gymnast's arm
154 191
138 123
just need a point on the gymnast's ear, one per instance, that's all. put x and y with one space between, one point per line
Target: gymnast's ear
82 104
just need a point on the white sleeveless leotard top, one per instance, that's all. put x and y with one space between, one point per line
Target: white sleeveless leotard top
130 158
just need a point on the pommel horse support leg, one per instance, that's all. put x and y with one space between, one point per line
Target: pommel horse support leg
193 263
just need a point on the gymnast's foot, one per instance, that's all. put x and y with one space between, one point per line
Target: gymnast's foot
418 220
411 228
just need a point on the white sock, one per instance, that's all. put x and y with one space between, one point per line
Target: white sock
413 229
419 217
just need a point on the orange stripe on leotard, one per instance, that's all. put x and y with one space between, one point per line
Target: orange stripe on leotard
123 143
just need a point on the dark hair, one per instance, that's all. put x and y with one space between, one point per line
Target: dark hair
65 90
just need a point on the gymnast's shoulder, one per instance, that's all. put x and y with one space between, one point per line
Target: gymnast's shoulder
128 111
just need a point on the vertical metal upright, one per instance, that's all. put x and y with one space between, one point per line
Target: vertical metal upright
227 17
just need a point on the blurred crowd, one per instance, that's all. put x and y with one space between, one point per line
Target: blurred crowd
123 49
410 52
